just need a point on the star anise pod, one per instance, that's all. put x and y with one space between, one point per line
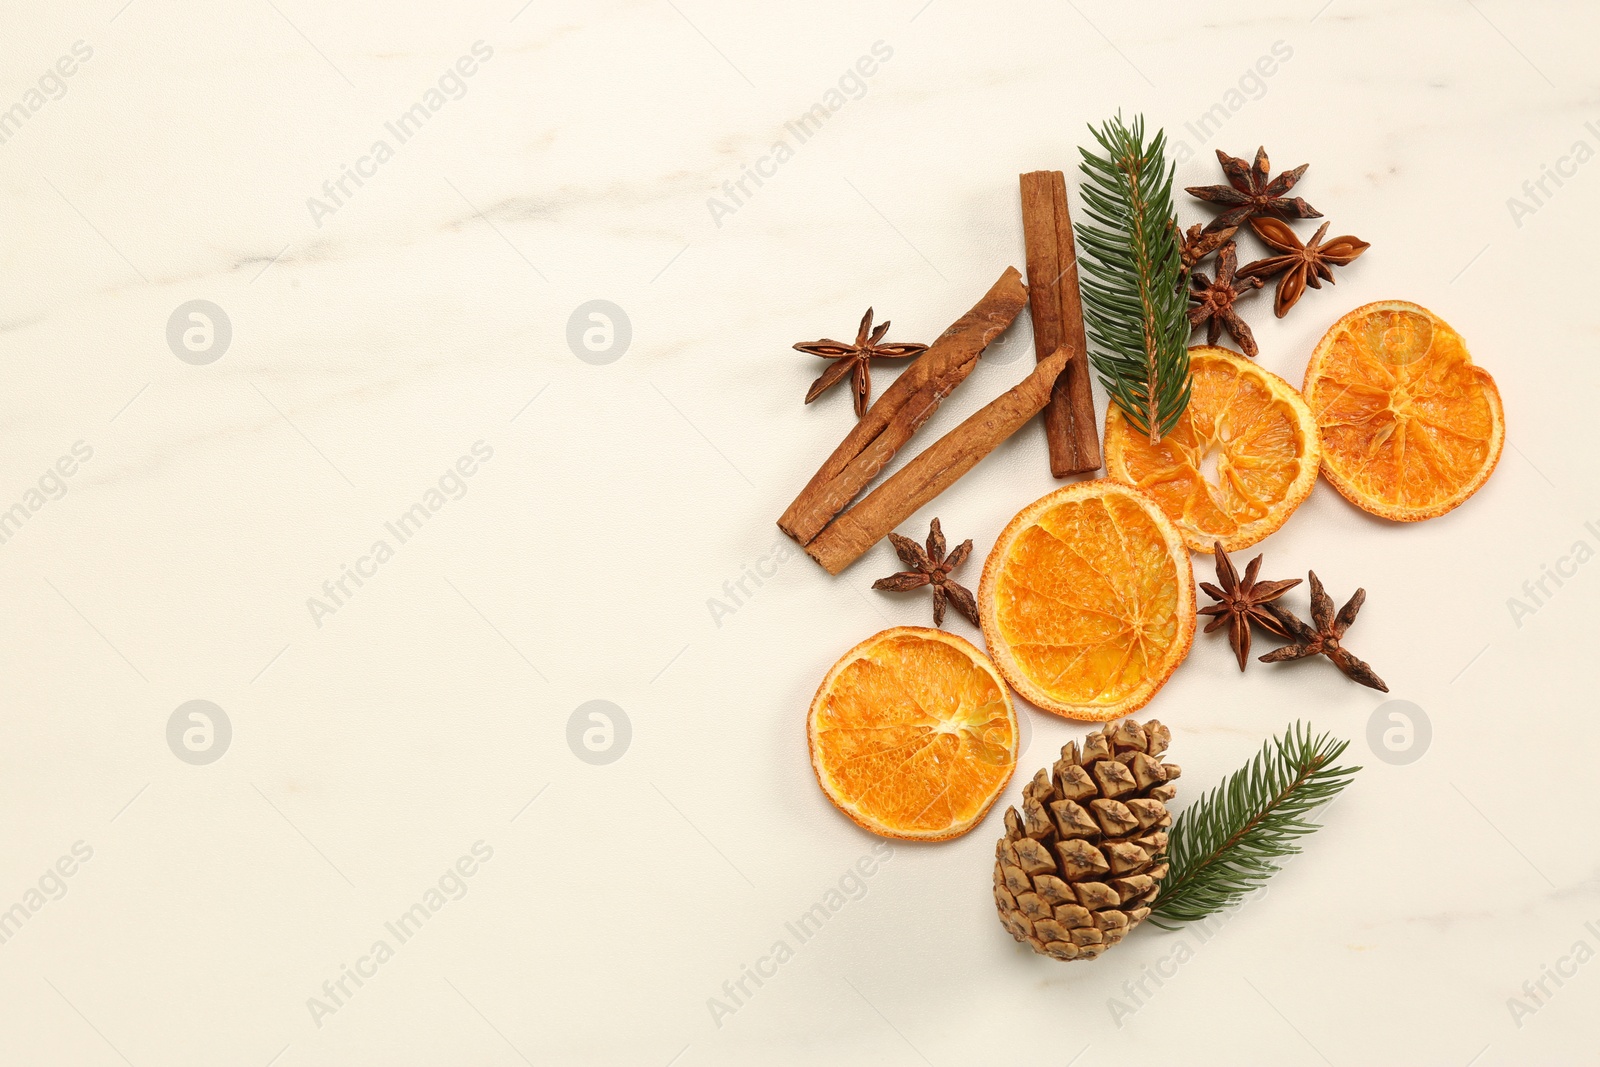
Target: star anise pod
1211 302
1196 244
932 567
853 360
1250 194
1325 639
1241 602
1304 263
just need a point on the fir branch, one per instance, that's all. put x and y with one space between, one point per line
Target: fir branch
1230 841
1136 311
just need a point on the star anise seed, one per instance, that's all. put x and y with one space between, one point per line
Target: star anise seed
1325 638
1211 302
853 360
931 566
1242 601
1250 194
1305 264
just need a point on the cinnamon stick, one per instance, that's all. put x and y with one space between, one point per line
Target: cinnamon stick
847 538
1057 310
902 408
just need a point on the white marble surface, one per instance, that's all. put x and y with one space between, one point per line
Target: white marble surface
375 344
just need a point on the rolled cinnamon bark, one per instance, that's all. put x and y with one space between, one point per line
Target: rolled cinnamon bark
847 538
1057 310
902 408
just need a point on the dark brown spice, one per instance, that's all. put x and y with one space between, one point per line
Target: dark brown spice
1305 263
1196 244
1251 193
931 566
1211 302
1241 602
854 360
1325 639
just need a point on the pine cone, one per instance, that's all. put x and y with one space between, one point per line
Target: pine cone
1078 868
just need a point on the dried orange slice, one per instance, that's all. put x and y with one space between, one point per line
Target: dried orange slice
1242 457
1087 600
1410 427
912 734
